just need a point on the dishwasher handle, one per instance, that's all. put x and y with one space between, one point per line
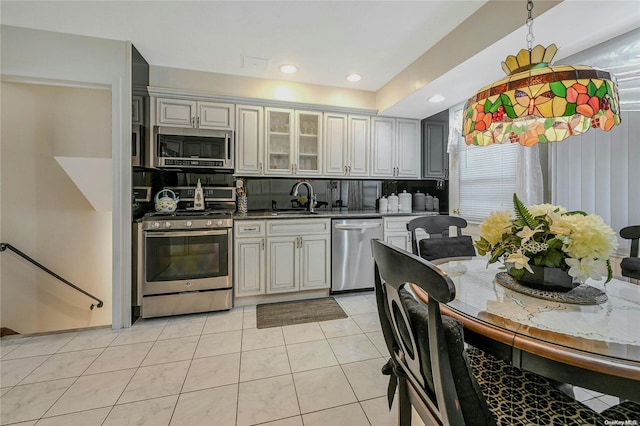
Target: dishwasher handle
358 226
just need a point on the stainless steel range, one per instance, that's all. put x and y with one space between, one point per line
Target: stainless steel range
184 259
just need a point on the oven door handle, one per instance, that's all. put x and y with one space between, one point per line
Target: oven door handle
194 233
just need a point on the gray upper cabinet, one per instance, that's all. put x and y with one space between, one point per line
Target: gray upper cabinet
194 114
435 162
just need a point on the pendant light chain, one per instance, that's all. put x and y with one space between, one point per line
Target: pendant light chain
529 23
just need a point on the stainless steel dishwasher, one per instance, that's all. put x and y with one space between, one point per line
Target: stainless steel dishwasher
351 258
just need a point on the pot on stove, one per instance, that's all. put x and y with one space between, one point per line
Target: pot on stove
167 203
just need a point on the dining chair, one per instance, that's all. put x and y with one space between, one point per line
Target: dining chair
445 382
440 244
631 265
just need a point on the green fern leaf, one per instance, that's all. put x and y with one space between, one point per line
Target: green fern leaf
523 214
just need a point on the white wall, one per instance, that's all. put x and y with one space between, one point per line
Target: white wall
61 59
276 90
45 215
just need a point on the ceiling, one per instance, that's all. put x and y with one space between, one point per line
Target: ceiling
326 40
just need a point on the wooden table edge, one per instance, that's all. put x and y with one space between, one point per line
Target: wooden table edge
589 361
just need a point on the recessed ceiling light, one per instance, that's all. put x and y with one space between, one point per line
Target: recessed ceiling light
354 77
436 98
288 69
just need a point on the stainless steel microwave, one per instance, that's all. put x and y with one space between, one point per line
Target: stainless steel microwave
183 148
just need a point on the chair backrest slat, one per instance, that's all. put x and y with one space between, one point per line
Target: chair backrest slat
632 233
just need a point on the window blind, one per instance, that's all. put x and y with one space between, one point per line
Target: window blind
597 172
487 179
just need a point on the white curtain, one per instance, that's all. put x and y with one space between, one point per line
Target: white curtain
455 131
529 181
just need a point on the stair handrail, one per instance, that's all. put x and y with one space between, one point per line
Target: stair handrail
4 246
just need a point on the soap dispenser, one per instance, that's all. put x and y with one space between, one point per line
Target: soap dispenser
198 197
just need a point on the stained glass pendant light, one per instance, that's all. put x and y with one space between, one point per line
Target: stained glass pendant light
538 102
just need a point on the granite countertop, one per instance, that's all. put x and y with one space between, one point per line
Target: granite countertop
334 214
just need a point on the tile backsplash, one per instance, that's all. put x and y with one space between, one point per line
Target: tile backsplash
262 192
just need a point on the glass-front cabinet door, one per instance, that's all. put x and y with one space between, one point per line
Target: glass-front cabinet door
307 143
279 141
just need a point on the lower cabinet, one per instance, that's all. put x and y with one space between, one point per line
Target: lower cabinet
315 262
399 239
249 259
293 255
395 231
249 271
283 265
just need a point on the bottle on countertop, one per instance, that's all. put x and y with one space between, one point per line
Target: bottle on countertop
198 197
418 201
436 204
393 203
428 204
404 201
383 205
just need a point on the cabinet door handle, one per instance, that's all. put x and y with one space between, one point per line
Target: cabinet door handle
198 122
193 122
262 244
255 228
349 170
260 167
345 170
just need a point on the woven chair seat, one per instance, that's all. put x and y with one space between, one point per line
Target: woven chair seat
518 397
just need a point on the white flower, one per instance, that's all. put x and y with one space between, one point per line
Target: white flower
545 209
519 261
527 233
558 225
495 226
584 268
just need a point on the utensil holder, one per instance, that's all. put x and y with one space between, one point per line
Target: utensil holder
242 204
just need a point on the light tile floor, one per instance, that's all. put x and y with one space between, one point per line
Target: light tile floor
207 369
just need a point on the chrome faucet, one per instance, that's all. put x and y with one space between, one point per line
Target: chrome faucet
312 197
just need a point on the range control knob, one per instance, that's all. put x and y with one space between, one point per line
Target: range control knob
156 225
220 222
188 224
209 223
167 224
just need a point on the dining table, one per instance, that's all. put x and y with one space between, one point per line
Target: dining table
594 346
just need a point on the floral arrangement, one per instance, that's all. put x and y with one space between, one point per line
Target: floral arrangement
549 236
